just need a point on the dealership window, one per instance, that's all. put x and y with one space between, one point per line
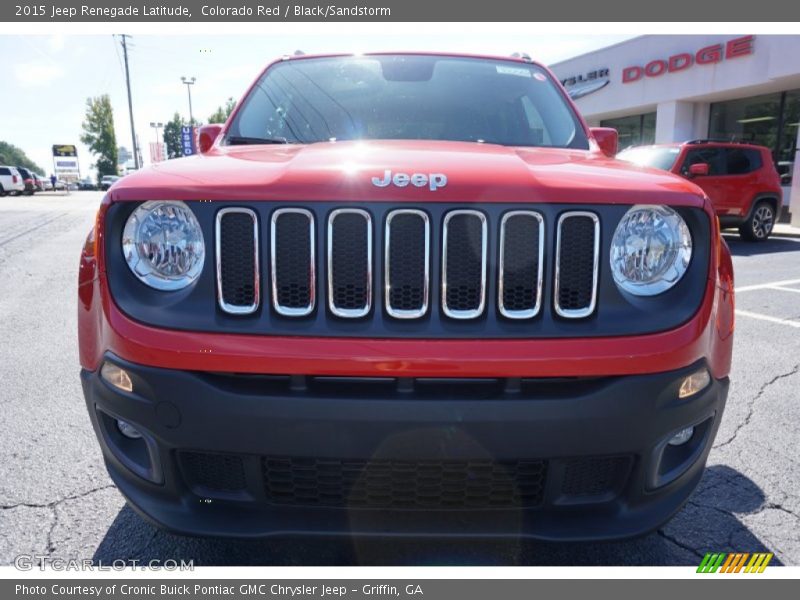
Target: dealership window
636 130
770 120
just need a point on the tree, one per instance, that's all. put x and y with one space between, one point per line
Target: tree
222 113
99 135
172 136
16 157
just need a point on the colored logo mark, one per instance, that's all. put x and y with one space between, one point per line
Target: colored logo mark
735 562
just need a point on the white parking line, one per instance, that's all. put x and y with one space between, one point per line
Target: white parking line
762 286
760 317
784 289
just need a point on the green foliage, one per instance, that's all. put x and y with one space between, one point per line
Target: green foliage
99 135
172 136
15 157
222 113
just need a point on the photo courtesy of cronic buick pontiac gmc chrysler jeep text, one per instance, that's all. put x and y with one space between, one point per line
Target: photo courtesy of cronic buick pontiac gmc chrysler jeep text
406 294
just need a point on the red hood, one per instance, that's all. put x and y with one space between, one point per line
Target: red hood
343 171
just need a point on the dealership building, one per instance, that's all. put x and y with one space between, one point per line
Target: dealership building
659 88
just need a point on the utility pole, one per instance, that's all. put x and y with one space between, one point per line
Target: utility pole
130 102
189 82
157 127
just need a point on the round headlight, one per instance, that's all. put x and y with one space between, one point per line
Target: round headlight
163 245
650 250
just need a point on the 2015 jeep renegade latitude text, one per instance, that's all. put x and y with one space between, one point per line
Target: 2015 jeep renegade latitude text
405 294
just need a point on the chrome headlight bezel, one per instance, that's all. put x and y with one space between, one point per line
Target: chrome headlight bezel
186 237
641 224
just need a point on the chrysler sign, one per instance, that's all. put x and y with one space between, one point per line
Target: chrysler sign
709 55
578 86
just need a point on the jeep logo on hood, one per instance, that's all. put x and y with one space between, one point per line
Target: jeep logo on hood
434 181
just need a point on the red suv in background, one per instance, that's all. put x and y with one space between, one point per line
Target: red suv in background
740 179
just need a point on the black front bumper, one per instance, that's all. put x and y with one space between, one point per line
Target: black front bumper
219 451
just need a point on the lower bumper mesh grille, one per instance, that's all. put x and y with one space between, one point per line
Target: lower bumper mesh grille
593 476
402 484
397 484
205 471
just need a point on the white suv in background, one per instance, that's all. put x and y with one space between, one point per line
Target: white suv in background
11 181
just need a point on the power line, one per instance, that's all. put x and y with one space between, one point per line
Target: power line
130 101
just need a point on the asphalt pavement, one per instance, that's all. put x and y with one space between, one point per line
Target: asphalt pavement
57 500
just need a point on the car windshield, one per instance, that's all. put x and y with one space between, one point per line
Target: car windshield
407 97
651 156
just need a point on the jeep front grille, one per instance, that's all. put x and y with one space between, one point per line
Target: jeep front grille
577 255
350 262
407 263
416 258
238 272
521 264
464 264
293 262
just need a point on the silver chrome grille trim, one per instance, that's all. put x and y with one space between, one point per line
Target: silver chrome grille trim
233 309
587 310
532 312
349 313
464 314
290 311
407 314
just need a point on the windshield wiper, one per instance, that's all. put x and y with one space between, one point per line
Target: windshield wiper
237 140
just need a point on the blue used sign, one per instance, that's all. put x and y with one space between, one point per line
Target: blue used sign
187 140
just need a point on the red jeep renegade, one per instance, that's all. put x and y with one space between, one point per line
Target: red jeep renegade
405 294
740 180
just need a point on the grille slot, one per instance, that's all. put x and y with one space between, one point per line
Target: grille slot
407 263
595 475
237 249
464 264
350 263
577 256
401 484
205 471
521 264
293 262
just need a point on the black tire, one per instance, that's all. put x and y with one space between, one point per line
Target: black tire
758 226
2 191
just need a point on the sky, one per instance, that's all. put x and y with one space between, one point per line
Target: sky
47 79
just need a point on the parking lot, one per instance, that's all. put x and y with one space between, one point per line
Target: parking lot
56 499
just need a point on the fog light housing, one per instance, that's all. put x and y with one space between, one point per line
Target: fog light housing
128 430
116 376
683 436
694 383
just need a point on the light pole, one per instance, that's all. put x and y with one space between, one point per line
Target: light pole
189 82
157 127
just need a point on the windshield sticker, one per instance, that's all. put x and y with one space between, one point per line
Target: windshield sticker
517 71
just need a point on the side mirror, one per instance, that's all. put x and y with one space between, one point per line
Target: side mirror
607 138
206 136
698 169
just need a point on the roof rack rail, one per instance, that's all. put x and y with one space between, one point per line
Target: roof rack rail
718 141
295 53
